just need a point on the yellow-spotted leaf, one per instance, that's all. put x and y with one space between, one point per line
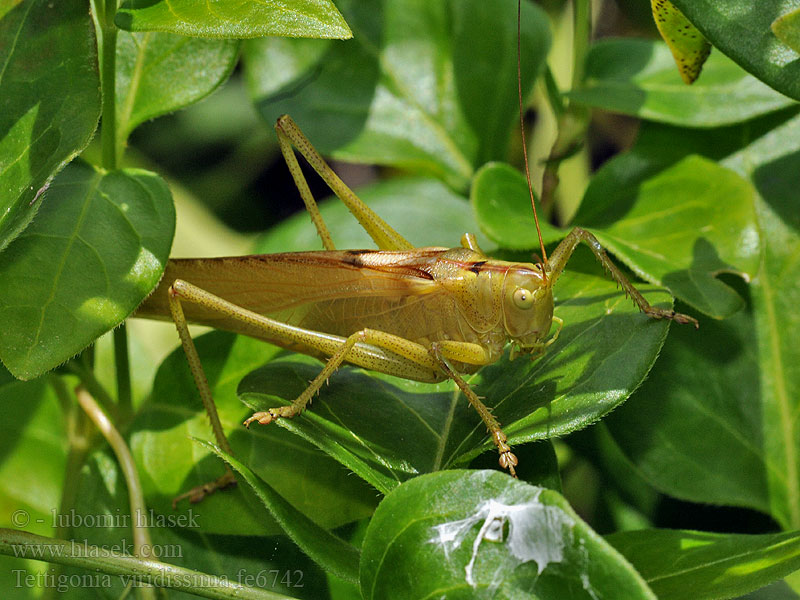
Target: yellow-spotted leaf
689 47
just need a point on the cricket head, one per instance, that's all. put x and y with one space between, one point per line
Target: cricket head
527 309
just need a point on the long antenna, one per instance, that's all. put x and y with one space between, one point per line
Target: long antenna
522 132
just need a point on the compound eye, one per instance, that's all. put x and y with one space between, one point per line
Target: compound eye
523 298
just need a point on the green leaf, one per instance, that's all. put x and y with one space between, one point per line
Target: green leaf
787 29
171 463
637 77
419 98
500 198
480 534
158 73
51 101
704 447
677 227
748 367
695 565
234 19
684 226
776 292
34 450
97 248
744 34
32 441
328 550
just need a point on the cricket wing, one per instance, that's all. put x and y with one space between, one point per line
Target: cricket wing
329 291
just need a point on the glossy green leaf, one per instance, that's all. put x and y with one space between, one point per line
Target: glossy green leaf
158 73
747 367
787 29
32 441
419 99
502 205
334 554
234 18
685 226
33 447
96 249
171 462
775 296
779 590
678 228
637 77
51 100
604 351
741 29
480 534
705 447
695 565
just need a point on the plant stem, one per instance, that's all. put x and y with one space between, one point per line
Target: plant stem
572 120
107 40
110 158
78 443
97 559
123 370
581 36
85 373
141 535
554 97
78 440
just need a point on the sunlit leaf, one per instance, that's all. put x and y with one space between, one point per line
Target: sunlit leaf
699 565
742 30
480 534
95 250
159 73
51 100
689 48
234 18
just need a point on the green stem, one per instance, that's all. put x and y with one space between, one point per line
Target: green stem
141 536
107 40
142 544
78 440
573 120
581 38
78 444
553 94
123 370
86 374
98 560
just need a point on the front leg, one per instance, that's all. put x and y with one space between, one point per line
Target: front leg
559 257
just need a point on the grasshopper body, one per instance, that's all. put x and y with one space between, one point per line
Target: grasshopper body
424 295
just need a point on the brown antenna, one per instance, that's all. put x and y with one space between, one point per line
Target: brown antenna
522 133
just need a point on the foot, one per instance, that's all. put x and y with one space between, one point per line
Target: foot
508 460
660 313
266 417
196 494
